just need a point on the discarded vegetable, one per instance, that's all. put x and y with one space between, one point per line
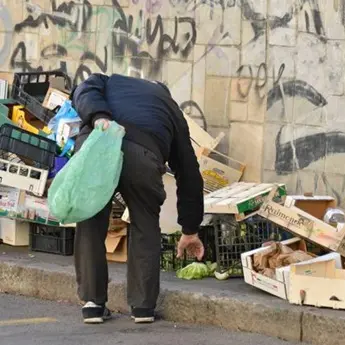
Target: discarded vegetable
211 268
196 270
222 276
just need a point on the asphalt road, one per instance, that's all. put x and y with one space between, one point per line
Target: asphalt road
27 321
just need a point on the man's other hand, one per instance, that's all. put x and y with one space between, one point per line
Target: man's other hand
192 244
102 123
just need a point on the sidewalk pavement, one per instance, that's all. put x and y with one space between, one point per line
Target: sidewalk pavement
230 304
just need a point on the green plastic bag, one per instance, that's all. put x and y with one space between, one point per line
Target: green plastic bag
87 182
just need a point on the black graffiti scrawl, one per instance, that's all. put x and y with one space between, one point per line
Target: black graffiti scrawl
300 153
315 17
294 88
308 149
67 14
259 21
128 39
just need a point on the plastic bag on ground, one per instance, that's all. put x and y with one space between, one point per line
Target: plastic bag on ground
88 181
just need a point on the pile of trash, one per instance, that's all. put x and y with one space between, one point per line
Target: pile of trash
42 179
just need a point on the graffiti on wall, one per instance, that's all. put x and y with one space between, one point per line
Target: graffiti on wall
257 80
67 14
299 150
129 34
129 37
82 38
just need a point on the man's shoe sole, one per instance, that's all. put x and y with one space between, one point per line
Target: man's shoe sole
97 320
94 320
143 319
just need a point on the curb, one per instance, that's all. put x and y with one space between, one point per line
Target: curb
313 326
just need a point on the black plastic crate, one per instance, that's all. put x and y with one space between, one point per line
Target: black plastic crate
36 84
29 89
50 239
169 261
233 238
32 149
119 206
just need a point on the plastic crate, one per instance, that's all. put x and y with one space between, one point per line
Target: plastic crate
169 261
54 240
35 149
233 238
22 119
18 175
119 206
29 89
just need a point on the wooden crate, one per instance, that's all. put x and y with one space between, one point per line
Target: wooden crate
243 199
292 216
319 284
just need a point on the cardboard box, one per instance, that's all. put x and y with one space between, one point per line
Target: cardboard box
66 129
58 83
217 175
54 98
279 286
200 138
16 204
314 205
14 232
116 245
8 76
320 284
304 224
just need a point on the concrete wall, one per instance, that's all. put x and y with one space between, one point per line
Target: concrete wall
269 73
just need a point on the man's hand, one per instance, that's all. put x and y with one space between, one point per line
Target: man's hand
103 123
193 246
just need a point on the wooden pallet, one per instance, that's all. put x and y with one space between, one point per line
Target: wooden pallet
242 199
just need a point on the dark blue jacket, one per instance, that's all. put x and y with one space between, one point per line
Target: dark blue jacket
148 107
